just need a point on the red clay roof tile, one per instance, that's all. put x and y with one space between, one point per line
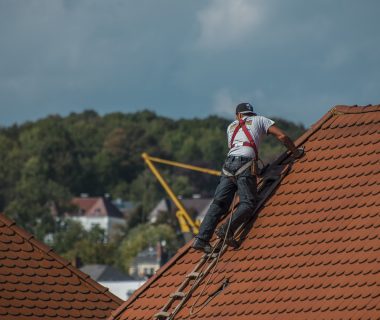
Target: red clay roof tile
36 283
313 251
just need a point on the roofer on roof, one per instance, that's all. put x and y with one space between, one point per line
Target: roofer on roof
239 173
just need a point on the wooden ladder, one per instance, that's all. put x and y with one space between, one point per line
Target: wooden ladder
194 278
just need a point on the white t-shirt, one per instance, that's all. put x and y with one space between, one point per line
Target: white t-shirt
257 126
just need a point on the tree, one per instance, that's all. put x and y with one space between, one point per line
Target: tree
52 145
34 196
67 233
146 191
143 236
73 242
10 162
92 248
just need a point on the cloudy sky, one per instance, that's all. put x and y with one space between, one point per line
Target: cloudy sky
293 59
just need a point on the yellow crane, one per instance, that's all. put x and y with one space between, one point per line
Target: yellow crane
187 225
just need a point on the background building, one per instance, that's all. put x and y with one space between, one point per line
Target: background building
91 211
148 261
112 278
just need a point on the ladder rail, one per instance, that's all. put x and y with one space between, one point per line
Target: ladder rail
195 285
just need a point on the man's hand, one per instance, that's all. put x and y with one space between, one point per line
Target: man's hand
283 138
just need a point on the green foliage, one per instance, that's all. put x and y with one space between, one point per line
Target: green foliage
34 197
11 160
92 249
73 242
143 236
136 217
67 233
146 191
53 146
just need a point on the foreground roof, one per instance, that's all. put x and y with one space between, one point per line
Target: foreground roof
35 283
314 249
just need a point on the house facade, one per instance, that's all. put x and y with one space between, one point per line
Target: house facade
91 211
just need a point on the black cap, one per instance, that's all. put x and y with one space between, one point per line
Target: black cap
244 108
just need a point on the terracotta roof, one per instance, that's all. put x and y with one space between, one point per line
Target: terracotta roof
96 207
313 251
84 203
36 283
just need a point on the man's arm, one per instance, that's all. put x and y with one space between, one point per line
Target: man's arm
283 138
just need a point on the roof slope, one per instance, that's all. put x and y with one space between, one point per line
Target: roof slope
314 250
35 283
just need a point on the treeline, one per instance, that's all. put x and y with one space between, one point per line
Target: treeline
46 162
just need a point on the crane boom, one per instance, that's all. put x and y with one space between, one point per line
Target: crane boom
186 222
183 165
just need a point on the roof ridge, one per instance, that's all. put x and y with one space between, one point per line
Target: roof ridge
99 202
334 111
50 252
343 109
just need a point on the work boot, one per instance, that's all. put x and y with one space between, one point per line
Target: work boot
230 241
202 245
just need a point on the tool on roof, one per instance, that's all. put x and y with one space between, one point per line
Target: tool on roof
208 262
188 227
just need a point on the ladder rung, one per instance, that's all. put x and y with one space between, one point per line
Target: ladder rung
193 275
162 315
177 295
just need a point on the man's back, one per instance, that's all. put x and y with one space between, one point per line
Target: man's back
258 127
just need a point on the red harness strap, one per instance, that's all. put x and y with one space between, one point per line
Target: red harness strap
237 128
251 142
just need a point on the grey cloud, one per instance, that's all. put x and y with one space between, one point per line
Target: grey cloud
296 60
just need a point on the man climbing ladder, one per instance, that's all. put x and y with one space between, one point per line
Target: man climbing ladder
239 174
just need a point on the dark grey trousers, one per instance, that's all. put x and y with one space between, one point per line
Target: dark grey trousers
246 187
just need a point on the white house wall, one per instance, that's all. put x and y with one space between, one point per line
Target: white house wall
109 224
122 289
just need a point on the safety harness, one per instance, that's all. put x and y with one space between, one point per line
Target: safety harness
250 143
